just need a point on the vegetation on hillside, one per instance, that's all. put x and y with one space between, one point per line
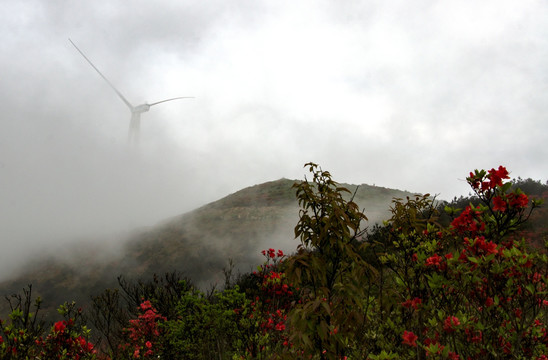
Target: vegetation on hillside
197 244
437 280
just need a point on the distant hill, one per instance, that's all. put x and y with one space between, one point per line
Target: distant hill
198 244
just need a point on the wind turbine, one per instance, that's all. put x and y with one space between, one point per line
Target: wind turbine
136 111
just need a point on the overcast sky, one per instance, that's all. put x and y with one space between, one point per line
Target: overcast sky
402 94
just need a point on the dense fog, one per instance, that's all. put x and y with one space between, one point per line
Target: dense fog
405 95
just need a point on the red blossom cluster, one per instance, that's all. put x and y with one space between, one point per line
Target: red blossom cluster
409 338
271 253
62 344
450 323
433 260
275 301
490 187
144 332
477 247
494 178
415 303
469 220
513 201
498 282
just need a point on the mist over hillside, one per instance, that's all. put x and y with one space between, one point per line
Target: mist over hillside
199 243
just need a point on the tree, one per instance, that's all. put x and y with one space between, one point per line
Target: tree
328 267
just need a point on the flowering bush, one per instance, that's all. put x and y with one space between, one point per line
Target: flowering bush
470 291
63 342
24 338
144 333
266 317
412 289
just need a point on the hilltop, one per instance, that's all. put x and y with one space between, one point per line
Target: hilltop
198 244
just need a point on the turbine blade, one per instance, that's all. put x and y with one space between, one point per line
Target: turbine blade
183 97
103 76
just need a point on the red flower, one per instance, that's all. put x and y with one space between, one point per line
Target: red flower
146 305
433 260
469 220
518 201
409 338
473 337
59 326
506 346
499 204
489 247
518 312
412 303
473 180
450 323
496 176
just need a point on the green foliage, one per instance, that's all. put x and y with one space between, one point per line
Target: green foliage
24 336
207 328
112 310
23 327
329 268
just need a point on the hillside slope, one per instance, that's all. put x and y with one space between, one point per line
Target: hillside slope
198 244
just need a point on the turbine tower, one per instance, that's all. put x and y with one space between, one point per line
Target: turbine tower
136 111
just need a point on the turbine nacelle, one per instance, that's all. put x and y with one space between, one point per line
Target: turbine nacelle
141 108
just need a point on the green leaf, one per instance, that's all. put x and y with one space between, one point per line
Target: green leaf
473 259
